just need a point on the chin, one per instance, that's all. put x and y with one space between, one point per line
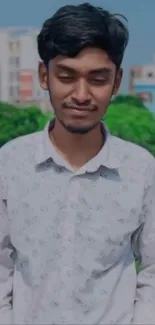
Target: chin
79 129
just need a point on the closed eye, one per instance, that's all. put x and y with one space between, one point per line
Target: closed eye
66 78
98 81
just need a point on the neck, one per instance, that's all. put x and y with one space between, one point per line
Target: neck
76 149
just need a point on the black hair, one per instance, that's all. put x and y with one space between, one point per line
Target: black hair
75 27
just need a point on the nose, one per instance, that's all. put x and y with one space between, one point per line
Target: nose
81 93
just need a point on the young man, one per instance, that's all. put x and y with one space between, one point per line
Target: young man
77 203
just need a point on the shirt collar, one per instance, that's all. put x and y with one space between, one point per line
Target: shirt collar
108 156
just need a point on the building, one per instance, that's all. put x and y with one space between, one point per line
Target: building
142 83
19 68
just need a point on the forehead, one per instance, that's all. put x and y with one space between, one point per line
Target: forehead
87 60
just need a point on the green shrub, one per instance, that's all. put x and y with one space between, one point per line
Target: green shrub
132 124
15 122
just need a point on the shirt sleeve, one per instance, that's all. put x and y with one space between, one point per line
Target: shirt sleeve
6 262
144 311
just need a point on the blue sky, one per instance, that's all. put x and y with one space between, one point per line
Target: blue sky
140 15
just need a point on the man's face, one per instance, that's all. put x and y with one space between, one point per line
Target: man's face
80 88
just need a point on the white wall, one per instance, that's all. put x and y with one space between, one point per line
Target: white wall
28 52
4 66
29 59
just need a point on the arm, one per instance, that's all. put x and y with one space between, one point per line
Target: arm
144 312
6 268
6 263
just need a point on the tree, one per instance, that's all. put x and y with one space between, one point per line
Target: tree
129 100
132 124
16 122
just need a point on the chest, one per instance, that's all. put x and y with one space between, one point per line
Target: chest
57 218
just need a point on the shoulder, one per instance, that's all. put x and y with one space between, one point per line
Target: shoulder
18 150
135 159
16 159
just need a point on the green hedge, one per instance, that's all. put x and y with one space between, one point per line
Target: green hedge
126 118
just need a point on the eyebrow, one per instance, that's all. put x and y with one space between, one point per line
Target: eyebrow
66 68
104 70
101 70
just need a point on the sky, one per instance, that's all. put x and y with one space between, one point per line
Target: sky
140 15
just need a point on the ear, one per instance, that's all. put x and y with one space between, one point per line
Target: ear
118 79
43 75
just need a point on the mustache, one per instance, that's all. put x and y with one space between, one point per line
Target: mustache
70 105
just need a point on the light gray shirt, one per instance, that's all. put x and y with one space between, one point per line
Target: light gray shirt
68 238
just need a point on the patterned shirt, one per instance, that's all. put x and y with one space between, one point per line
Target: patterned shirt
68 238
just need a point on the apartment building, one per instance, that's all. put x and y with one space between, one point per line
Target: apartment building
19 68
142 83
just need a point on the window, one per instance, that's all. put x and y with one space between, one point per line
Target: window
11 91
11 76
17 45
38 93
17 76
150 74
132 73
10 46
17 91
17 60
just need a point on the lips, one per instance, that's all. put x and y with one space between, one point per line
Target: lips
79 111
